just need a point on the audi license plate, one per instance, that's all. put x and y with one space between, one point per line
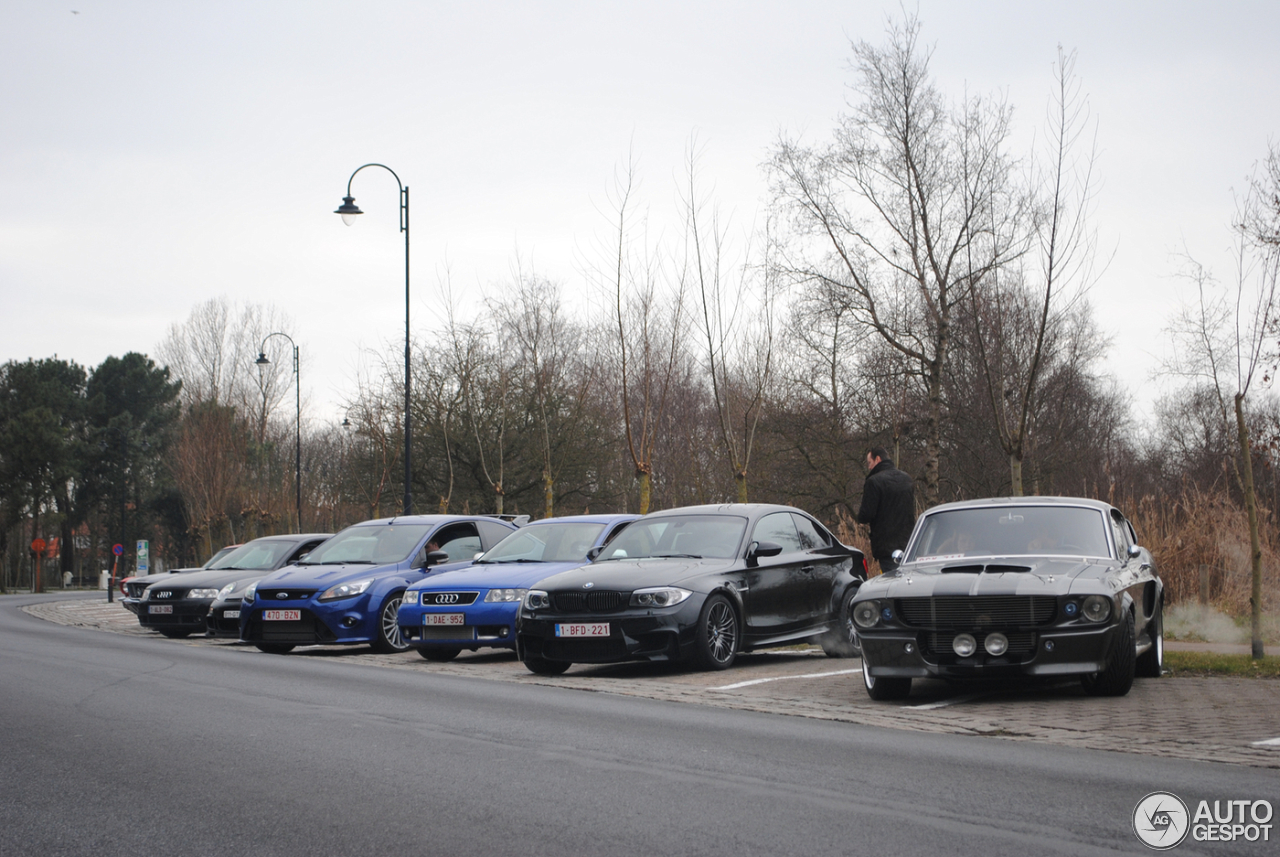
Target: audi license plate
160 608
444 619
582 629
281 615
231 614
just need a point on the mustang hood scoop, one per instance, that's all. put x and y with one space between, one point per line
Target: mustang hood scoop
992 568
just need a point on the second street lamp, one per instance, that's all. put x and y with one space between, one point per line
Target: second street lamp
349 211
297 455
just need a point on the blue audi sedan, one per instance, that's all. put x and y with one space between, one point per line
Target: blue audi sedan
347 590
475 606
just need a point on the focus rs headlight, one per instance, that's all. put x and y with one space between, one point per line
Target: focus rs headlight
346 590
251 592
866 614
659 596
1096 608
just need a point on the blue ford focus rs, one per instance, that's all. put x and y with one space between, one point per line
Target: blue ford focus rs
348 589
475 606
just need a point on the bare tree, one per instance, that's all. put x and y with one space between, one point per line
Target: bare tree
910 209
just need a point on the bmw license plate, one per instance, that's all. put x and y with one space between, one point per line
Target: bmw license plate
444 619
281 615
160 608
231 614
583 629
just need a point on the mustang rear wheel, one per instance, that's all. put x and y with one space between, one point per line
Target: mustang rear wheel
716 638
1116 677
437 654
842 642
275 648
387 637
1150 664
882 689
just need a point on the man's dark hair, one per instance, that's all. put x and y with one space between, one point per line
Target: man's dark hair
878 452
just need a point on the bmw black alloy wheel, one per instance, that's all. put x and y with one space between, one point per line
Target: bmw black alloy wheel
717 642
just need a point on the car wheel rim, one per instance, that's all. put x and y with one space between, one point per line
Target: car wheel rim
722 632
390 627
867 678
850 630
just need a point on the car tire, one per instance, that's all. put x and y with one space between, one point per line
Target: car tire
275 648
175 633
543 666
386 637
438 654
1150 664
883 689
716 637
843 641
1116 677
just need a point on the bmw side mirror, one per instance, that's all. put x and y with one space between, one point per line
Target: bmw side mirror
759 549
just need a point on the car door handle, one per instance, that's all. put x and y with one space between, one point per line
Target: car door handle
806 568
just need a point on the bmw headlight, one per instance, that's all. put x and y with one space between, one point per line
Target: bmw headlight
346 590
202 593
251 592
505 595
866 614
659 596
536 599
410 598
1096 608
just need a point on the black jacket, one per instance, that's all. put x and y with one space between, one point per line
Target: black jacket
889 506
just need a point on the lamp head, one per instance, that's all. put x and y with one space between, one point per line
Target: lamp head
262 360
348 210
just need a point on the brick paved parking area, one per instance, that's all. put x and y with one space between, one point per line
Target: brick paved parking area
1232 720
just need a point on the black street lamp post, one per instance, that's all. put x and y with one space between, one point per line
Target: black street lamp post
297 455
349 211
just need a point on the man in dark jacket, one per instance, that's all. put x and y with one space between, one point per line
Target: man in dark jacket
888 505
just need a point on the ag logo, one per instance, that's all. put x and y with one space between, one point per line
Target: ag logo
1161 821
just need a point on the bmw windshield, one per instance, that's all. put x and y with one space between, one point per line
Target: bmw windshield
693 536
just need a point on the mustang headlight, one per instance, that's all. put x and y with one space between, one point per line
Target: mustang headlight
536 599
251 592
410 597
866 614
505 595
202 593
659 596
346 590
1097 608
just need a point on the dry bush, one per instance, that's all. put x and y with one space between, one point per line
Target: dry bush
852 534
1210 529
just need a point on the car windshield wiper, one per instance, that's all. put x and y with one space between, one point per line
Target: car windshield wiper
676 556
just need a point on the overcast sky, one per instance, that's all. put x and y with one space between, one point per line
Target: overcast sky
156 155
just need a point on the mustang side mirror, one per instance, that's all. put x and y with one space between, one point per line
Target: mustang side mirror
435 558
897 556
1134 551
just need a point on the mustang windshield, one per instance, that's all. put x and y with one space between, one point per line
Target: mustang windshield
695 536
1012 531
546 543
380 544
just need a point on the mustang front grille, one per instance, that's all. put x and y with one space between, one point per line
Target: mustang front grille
968 612
589 602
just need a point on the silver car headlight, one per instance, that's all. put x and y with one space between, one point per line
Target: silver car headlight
346 590
504 595
202 593
250 593
536 599
1096 608
659 596
410 598
866 614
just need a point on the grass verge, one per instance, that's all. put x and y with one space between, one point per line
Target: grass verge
1208 663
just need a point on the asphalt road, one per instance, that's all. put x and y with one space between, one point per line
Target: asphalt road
116 745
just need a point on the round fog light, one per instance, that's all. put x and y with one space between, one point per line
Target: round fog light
909 648
996 644
1048 645
964 645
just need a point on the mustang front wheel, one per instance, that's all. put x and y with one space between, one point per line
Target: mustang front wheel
1116 677
1150 664
387 637
881 689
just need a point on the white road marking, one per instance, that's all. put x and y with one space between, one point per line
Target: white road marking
1270 742
781 678
955 700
